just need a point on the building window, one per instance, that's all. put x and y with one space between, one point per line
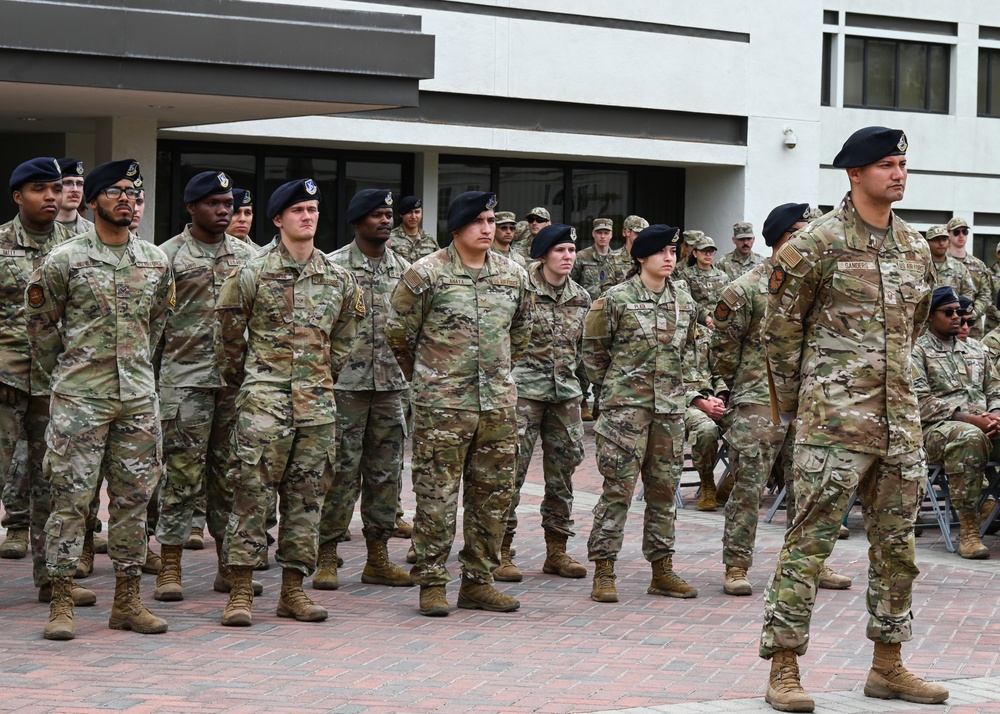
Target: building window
891 74
989 83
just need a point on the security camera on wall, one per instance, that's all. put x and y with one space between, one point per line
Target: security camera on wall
791 141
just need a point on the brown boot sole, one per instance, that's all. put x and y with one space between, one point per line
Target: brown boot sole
792 707
737 590
435 611
60 635
879 692
324 584
238 619
553 570
319 616
169 595
505 576
379 580
119 623
470 604
683 594
607 597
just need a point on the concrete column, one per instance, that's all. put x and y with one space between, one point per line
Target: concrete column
130 138
426 186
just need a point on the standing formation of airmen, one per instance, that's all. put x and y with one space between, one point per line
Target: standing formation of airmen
285 380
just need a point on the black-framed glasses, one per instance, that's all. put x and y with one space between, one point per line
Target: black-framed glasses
536 219
117 191
506 227
960 231
950 311
967 321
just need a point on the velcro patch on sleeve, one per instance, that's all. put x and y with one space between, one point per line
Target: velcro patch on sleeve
789 255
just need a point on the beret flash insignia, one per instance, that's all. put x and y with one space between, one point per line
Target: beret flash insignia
388 199
223 180
901 145
491 203
310 187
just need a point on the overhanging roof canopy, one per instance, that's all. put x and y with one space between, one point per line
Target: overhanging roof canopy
63 64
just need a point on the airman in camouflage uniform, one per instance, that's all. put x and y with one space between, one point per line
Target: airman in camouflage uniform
635 340
948 270
958 230
288 321
703 419
959 394
704 280
96 309
741 260
686 261
548 398
993 312
535 220
632 226
460 321
197 407
846 304
408 240
72 196
242 222
370 421
506 222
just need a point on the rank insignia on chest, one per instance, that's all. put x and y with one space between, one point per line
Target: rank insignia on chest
36 296
123 291
776 280
722 311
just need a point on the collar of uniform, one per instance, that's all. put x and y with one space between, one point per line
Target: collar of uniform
313 265
648 295
956 345
535 277
96 250
360 260
855 232
22 237
459 267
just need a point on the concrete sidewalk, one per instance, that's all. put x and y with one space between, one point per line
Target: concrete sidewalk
561 652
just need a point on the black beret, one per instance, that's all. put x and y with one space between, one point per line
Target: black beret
550 236
108 175
207 183
407 204
364 202
943 295
242 198
288 194
780 219
868 145
44 169
654 239
71 167
965 304
467 206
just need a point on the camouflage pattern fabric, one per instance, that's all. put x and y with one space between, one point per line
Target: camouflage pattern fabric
596 272
982 299
511 255
992 312
630 441
736 345
474 449
623 263
455 335
734 266
953 272
15 484
991 342
890 489
77 226
705 287
702 433
409 249
952 376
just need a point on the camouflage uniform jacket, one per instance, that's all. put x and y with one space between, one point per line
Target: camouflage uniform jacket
734 266
705 287
596 272
287 331
512 255
372 365
409 249
79 226
523 247
456 336
19 256
953 376
261 250
991 341
634 344
708 380
190 350
546 371
952 272
982 298
95 321
623 263
840 324
992 312
736 340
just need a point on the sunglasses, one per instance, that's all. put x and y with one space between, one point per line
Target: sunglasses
967 321
950 311
960 231
535 219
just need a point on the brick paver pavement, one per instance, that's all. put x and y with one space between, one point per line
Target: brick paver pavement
560 652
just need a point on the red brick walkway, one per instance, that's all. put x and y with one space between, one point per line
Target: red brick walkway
560 653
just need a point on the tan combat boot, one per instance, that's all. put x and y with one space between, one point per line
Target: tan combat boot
666 582
239 608
889 679
196 541
82 597
557 560
706 499
969 544
403 529
153 562
379 570
736 582
60 624
830 579
128 612
86 565
293 601
168 580
784 691
844 533
15 545
604 589
483 596
724 489
432 601
325 577
221 584
586 413
507 572
411 555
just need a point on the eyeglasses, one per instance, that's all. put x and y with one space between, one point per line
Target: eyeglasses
960 231
968 321
536 219
72 183
117 191
505 227
950 311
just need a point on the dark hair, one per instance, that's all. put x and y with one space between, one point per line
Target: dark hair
635 270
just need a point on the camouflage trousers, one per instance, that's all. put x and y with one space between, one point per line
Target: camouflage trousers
754 445
561 429
477 450
371 428
890 490
630 441
962 450
16 486
79 431
197 453
284 464
703 435
581 377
